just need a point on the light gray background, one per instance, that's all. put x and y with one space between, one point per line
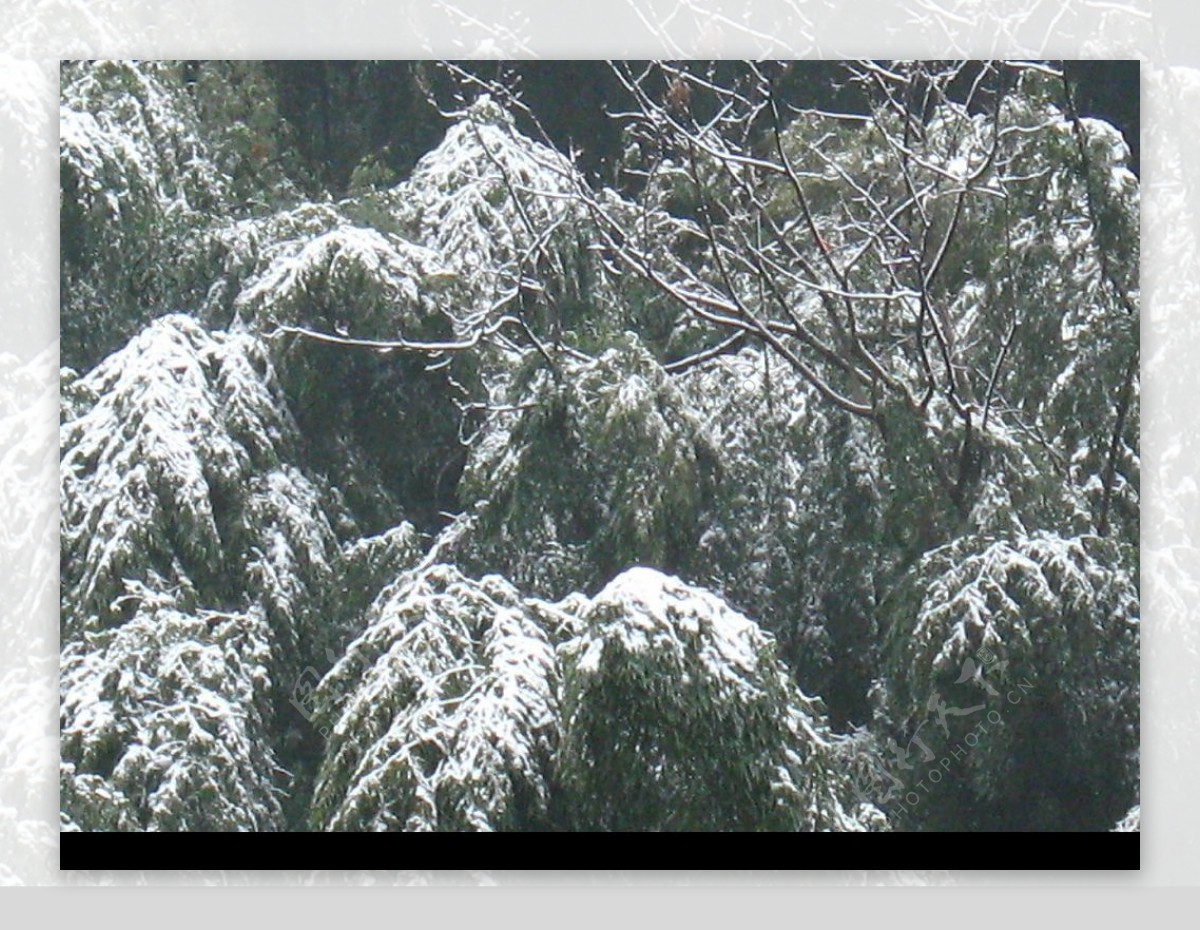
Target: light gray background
37 33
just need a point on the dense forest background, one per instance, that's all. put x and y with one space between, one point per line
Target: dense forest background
574 446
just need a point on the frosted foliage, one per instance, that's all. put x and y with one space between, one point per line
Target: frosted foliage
171 476
377 422
677 715
603 468
1017 598
27 534
803 502
864 426
1073 235
775 459
164 724
443 712
1044 258
129 128
290 558
454 710
489 201
246 248
1043 631
349 279
480 212
369 563
1131 822
138 179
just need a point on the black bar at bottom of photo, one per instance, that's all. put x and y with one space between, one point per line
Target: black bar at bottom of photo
113 854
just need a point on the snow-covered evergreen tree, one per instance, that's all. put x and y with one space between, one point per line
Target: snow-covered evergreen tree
175 475
794 475
378 419
166 723
678 715
443 714
150 154
1018 660
196 580
660 708
499 208
136 176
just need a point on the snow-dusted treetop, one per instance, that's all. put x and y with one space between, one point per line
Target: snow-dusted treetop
174 476
661 708
596 467
678 715
442 715
492 202
1036 639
